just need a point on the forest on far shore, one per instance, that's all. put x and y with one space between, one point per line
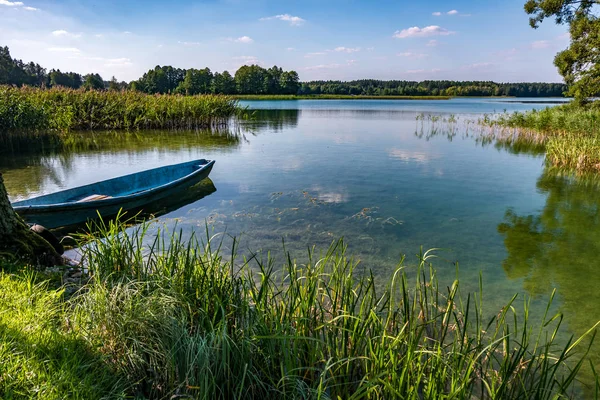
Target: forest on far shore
256 80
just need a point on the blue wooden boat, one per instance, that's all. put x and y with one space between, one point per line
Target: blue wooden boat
109 197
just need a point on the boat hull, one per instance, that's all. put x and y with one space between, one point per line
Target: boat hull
70 213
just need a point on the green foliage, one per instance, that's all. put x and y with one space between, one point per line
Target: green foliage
569 134
159 80
93 82
15 72
564 11
177 319
42 357
579 64
252 79
196 81
223 83
60 109
255 80
68 80
371 87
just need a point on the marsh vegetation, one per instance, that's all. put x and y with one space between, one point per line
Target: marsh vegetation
62 110
569 134
174 318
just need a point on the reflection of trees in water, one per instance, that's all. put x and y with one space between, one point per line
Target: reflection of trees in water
275 120
560 247
29 171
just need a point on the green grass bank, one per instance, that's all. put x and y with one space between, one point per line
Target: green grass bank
570 134
28 109
162 318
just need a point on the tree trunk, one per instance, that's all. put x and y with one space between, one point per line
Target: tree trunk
17 241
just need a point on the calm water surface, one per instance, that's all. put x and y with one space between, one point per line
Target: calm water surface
313 171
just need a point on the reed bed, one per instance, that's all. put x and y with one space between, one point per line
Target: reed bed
166 318
570 134
61 110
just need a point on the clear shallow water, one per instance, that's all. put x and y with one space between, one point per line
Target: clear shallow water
369 172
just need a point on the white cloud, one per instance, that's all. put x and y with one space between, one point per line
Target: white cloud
189 43
291 49
540 44
118 62
347 49
478 65
293 20
247 60
331 66
422 71
315 54
432 43
323 66
126 33
409 54
64 49
11 3
63 33
415 31
451 12
244 39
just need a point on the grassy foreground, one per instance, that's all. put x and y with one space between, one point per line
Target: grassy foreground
333 97
58 109
569 133
177 320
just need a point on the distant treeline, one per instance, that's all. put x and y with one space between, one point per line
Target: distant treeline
248 79
371 87
16 72
255 80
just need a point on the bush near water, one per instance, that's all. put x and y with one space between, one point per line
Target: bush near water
60 109
165 318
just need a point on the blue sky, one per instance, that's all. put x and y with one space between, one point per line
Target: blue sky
326 39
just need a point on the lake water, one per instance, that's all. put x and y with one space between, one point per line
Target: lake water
388 176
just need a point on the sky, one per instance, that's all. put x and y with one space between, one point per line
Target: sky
320 39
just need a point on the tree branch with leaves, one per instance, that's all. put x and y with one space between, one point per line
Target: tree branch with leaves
579 64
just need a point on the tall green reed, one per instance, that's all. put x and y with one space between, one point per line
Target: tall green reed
179 318
59 109
569 134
